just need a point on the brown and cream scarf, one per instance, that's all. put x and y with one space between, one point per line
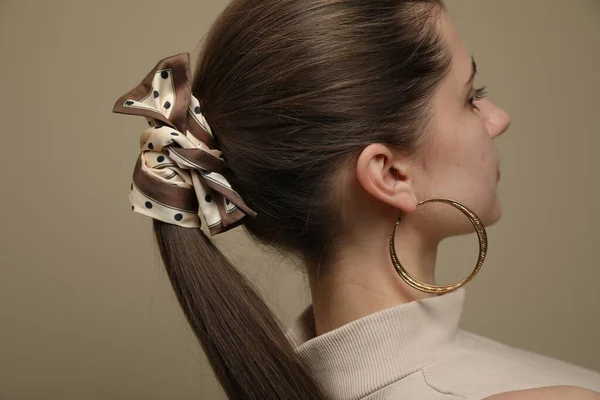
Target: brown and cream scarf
177 178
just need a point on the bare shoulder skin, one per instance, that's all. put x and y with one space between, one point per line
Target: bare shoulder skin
549 393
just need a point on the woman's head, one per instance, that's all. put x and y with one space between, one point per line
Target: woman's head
333 111
332 116
458 161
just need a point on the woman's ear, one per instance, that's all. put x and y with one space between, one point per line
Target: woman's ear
386 175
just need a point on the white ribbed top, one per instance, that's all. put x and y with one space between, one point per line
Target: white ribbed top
417 351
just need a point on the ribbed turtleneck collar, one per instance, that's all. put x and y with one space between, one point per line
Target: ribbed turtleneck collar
371 352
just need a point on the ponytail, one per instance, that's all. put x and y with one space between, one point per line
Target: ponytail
242 338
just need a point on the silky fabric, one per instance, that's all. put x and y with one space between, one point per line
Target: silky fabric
177 177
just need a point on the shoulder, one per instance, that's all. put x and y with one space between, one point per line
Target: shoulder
548 393
477 367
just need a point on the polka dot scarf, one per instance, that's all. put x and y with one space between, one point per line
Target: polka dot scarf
176 177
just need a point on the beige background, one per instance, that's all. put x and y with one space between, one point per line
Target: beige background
86 310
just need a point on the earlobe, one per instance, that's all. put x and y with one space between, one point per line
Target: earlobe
385 175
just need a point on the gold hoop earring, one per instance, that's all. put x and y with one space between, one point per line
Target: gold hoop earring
441 289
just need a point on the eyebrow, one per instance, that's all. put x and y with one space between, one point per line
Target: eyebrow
473 71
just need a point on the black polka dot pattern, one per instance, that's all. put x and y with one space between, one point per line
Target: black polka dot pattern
160 108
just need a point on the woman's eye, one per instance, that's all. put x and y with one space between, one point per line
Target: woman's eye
478 94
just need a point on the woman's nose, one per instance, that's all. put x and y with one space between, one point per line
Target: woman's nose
497 120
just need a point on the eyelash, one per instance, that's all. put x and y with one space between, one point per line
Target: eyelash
479 94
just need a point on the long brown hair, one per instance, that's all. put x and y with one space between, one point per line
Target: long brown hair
294 90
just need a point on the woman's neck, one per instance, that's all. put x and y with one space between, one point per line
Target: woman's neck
362 280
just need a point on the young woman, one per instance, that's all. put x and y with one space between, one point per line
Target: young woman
344 133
